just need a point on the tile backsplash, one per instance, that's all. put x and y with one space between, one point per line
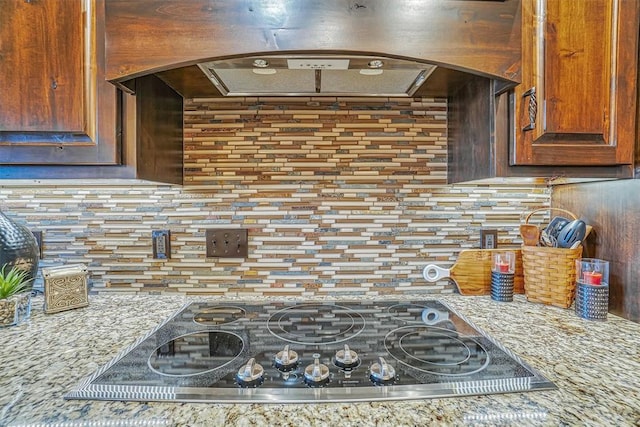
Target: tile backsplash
339 196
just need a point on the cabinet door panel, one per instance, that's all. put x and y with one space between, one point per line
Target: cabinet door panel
56 107
41 90
576 69
580 58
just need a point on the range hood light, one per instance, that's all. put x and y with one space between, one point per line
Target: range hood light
264 71
375 63
367 72
260 63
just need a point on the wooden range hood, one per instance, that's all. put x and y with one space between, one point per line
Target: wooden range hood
169 38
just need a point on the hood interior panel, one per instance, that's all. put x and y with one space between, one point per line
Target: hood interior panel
192 82
325 75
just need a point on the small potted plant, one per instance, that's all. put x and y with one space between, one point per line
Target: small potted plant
15 296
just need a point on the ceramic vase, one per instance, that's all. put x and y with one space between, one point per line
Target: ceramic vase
18 247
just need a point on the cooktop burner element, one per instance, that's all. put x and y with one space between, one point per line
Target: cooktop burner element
316 324
436 350
196 353
293 352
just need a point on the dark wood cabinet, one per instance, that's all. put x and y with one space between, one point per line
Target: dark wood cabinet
576 105
60 117
574 116
57 108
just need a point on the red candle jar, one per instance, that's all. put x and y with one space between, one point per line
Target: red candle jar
592 271
504 262
592 277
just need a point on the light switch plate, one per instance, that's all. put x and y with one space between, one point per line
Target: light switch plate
227 243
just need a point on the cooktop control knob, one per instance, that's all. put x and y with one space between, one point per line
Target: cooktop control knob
286 360
382 372
251 374
316 374
347 359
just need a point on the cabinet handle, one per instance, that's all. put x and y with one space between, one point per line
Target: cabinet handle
533 108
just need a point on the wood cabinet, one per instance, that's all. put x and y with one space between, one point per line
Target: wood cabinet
60 117
576 105
611 208
57 108
573 117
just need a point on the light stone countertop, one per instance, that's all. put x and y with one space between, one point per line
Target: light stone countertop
596 366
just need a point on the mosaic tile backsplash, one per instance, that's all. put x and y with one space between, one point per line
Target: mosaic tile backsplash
339 196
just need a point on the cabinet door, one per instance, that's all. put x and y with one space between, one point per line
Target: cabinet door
577 101
56 108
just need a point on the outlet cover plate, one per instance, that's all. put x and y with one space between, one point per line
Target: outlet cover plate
161 240
227 243
488 239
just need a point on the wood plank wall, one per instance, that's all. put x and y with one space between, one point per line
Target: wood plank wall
612 208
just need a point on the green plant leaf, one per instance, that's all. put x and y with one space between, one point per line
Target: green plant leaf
13 282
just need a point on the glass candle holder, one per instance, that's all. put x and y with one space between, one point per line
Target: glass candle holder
502 273
504 262
592 288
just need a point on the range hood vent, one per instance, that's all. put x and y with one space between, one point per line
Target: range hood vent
317 75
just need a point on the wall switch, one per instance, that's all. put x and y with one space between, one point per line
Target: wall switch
161 241
227 243
488 239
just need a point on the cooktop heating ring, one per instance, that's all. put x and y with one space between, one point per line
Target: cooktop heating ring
457 355
331 324
196 353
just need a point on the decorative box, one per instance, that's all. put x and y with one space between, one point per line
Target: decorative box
65 288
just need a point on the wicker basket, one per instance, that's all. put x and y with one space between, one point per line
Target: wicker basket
550 273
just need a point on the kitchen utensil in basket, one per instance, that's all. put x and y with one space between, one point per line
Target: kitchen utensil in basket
571 233
550 231
530 234
549 272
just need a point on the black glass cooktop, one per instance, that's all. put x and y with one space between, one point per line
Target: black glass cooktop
277 352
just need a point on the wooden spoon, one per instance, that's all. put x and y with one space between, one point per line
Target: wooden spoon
530 234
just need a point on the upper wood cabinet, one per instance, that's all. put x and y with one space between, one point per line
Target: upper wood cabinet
57 108
574 115
576 105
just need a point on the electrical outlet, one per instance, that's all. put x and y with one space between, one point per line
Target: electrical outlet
488 239
161 241
227 243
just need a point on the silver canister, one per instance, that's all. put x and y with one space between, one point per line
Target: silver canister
502 286
592 301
